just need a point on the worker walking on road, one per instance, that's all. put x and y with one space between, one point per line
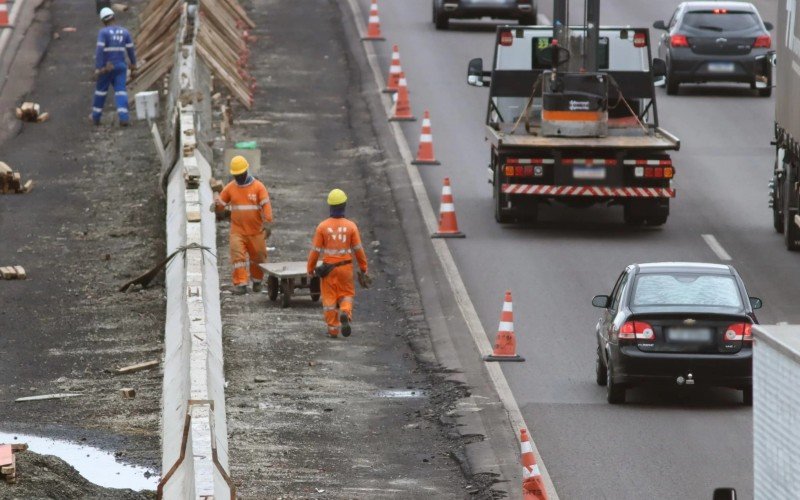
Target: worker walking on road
251 222
337 239
113 42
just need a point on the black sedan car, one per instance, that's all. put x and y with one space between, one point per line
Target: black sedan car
716 42
676 323
522 10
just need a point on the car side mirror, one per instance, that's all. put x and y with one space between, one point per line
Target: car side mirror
475 74
660 25
601 301
724 494
769 25
756 303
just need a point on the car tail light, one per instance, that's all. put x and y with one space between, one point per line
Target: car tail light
639 39
720 11
506 38
677 41
636 330
739 332
762 42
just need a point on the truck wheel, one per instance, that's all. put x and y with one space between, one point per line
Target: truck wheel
440 19
500 214
777 216
632 216
791 233
657 220
747 396
528 19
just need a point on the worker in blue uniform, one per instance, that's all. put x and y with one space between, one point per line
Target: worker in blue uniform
113 43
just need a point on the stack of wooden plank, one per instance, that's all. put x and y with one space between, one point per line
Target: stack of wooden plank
8 462
222 44
13 273
11 182
159 24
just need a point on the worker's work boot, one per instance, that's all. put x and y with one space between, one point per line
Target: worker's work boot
257 287
239 289
346 329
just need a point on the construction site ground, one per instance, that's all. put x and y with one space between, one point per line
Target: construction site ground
309 416
369 416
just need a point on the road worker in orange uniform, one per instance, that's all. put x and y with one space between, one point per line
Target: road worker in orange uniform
338 240
251 221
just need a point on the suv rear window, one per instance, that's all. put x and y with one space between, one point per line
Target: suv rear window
720 22
685 289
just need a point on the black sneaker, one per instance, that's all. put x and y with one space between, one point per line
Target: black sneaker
239 290
257 286
346 330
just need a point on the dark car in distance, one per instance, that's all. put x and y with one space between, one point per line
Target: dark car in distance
524 11
676 323
716 42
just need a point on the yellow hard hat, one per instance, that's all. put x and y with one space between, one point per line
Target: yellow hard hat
239 165
336 197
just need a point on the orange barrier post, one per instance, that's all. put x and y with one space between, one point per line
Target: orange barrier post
532 485
401 110
425 150
448 225
374 24
3 13
505 344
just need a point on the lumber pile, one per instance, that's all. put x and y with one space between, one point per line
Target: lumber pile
222 44
31 112
13 273
11 182
159 24
8 461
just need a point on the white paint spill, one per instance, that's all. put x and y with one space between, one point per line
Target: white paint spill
97 466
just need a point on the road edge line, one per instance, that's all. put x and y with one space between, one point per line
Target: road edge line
449 267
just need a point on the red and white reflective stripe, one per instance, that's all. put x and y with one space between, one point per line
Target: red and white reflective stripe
608 162
507 316
395 65
529 161
239 265
655 163
622 192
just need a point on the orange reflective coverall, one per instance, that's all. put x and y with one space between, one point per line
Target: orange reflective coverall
337 239
250 209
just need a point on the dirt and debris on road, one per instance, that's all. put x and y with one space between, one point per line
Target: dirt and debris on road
93 222
309 416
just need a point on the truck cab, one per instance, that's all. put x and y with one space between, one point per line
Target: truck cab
597 141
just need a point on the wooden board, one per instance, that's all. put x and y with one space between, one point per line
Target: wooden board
48 396
6 455
285 269
139 366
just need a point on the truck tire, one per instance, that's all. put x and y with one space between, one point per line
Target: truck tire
631 215
440 19
791 233
529 19
777 205
657 220
501 214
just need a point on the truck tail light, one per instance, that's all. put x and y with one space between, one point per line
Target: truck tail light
762 42
652 169
639 39
636 330
678 41
506 38
739 332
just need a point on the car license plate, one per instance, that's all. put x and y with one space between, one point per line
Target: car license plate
721 67
689 335
589 172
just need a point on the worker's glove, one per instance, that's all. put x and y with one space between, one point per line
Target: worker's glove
364 279
267 230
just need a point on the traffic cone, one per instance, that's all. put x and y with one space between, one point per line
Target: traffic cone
425 150
448 225
532 485
505 344
3 13
393 82
401 110
374 24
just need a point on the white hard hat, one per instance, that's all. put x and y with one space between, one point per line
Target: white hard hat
106 14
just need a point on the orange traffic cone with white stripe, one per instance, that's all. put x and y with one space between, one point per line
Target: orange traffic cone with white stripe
3 13
393 82
448 225
505 344
532 485
401 110
425 150
374 24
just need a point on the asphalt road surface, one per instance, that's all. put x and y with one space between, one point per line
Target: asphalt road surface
663 444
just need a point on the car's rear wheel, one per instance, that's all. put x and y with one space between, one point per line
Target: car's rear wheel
747 396
615 393
440 19
600 370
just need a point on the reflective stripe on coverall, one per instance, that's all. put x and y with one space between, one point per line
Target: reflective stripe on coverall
338 240
250 209
113 42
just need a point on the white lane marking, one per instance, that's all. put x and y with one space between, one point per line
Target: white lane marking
712 242
449 267
782 323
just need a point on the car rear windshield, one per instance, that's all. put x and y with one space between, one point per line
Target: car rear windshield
720 22
686 289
